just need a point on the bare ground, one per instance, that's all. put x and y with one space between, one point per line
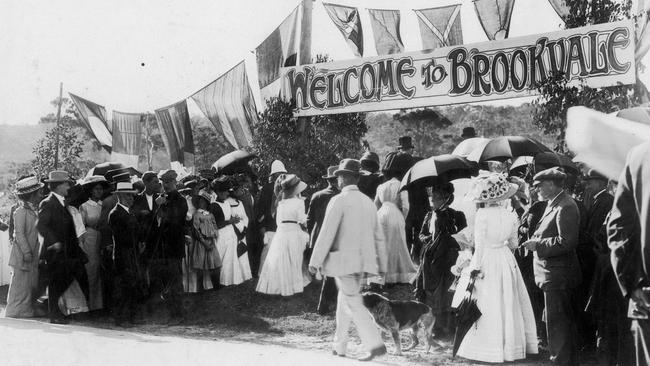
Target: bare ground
240 314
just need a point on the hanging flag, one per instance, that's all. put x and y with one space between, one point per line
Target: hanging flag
440 27
305 32
93 116
228 103
174 124
127 137
348 22
494 16
279 49
385 29
642 31
560 7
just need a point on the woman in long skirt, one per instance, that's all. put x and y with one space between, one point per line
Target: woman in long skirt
90 211
205 257
24 251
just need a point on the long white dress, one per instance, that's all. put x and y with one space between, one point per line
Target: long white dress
234 269
283 272
90 212
392 204
506 330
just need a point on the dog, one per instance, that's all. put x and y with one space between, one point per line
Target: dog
395 315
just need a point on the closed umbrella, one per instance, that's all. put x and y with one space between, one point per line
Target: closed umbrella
439 169
507 147
467 313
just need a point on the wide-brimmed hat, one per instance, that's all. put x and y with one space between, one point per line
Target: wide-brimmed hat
277 167
58 176
468 132
405 142
93 180
370 157
491 187
350 166
330 172
592 174
125 187
291 184
28 185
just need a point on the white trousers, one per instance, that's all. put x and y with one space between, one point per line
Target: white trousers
350 308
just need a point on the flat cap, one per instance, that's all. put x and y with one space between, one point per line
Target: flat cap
550 174
167 175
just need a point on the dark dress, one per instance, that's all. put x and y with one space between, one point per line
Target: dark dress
368 184
438 255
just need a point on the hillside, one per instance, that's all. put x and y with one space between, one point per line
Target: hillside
16 142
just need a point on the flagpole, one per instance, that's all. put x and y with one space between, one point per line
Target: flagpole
58 121
148 146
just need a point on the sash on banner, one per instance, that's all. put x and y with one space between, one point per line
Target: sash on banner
93 116
228 103
348 22
127 138
440 27
174 123
385 29
494 16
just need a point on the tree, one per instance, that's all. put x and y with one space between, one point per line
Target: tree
208 144
557 96
70 149
424 125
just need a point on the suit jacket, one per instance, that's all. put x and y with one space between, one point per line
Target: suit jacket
628 228
56 224
528 224
264 208
107 205
125 237
556 263
596 215
148 224
316 212
351 239
171 243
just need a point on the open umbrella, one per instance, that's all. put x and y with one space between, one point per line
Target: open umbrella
507 147
103 168
543 161
465 147
439 169
467 313
233 162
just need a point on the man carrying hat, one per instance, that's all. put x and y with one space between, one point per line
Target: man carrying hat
60 251
557 271
315 217
349 246
129 279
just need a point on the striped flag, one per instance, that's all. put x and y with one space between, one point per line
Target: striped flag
440 27
494 16
228 103
279 49
385 29
174 123
127 137
348 22
93 116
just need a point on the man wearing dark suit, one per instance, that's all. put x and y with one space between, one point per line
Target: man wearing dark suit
61 252
145 208
628 231
315 217
557 271
126 252
418 204
370 179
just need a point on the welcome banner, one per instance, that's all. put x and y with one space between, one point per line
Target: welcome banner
600 55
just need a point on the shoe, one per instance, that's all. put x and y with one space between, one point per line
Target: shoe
372 354
334 353
59 321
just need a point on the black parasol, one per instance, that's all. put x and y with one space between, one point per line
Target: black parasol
439 169
467 313
507 147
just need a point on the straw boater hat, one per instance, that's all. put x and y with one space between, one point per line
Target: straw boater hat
491 187
125 187
28 185
292 185
58 176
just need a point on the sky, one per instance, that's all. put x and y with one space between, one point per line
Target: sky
140 55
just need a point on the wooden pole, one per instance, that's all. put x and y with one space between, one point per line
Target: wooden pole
149 144
58 122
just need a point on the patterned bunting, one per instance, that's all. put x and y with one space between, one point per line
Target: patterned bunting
494 16
174 124
93 116
348 22
127 137
440 27
385 28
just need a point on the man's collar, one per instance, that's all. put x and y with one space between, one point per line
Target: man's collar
351 187
599 193
59 197
554 200
124 207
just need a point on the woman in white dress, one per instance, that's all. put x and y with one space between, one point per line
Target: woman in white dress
283 272
95 186
506 330
392 208
234 269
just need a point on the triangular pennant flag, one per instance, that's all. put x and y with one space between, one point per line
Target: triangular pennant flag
348 22
93 116
385 29
560 7
176 129
228 104
495 16
127 138
279 49
440 27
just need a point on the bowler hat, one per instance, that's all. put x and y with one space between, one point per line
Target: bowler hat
468 132
330 172
349 166
554 174
58 176
405 142
28 185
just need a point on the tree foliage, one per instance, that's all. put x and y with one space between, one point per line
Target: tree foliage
70 150
208 144
424 126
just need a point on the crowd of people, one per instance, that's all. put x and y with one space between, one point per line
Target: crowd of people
533 249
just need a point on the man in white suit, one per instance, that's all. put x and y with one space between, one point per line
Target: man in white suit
349 246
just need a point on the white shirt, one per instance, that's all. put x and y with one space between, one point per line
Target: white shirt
149 201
